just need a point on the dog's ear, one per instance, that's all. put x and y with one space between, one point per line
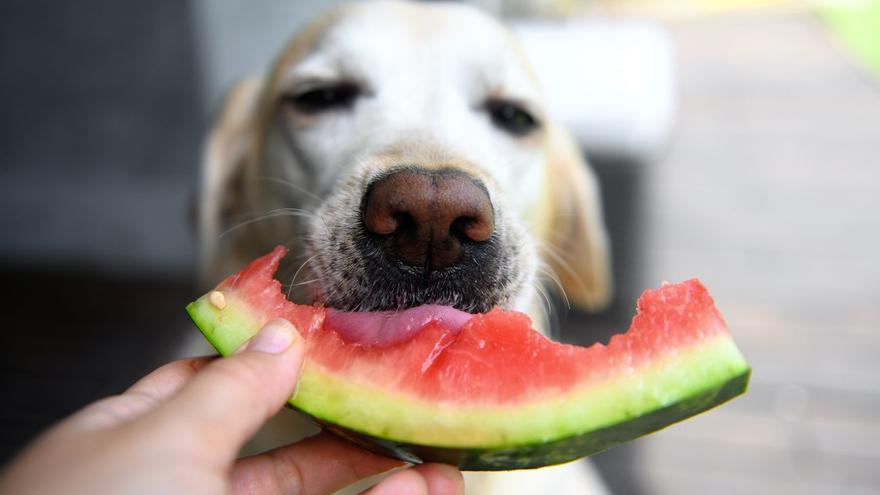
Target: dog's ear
577 248
226 153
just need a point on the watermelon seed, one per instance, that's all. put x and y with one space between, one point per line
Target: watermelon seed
217 299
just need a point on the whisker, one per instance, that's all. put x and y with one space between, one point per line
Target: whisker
546 314
292 280
307 282
292 185
563 263
548 305
555 320
549 273
279 212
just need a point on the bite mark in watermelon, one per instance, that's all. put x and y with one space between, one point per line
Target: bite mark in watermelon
487 392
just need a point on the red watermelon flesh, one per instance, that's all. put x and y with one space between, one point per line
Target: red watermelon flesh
474 386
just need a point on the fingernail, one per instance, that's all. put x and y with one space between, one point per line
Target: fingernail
274 338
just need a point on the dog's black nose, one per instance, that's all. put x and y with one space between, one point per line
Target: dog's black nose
425 217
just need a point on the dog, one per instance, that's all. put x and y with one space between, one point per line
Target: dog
404 152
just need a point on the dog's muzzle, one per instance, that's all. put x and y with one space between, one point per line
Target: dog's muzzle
428 237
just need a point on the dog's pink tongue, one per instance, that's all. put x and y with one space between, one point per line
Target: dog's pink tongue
385 328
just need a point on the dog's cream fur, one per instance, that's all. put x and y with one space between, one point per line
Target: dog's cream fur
425 72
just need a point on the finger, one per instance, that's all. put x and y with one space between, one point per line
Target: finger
318 465
143 396
441 479
405 482
428 479
165 381
227 401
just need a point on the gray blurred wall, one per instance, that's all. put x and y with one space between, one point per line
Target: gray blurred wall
105 104
99 130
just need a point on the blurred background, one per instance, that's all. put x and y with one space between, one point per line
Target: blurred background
736 140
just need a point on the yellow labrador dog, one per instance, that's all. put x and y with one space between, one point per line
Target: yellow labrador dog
404 153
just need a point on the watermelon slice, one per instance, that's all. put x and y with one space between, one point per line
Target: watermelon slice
487 392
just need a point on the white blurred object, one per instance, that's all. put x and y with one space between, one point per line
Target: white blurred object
612 83
574 477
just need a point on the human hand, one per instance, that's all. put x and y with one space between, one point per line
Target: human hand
179 429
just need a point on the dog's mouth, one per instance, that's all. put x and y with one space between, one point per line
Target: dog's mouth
386 328
364 279
418 237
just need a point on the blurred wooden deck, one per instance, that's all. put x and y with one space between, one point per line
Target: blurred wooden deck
770 194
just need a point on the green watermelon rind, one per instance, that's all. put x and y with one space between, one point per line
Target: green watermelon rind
549 430
550 453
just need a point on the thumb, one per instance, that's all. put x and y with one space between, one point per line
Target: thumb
227 402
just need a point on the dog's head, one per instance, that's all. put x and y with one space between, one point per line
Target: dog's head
405 151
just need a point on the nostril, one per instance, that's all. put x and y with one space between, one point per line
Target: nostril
404 221
471 229
391 203
428 218
460 227
381 224
379 217
384 224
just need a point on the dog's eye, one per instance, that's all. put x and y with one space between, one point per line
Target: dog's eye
330 97
511 117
